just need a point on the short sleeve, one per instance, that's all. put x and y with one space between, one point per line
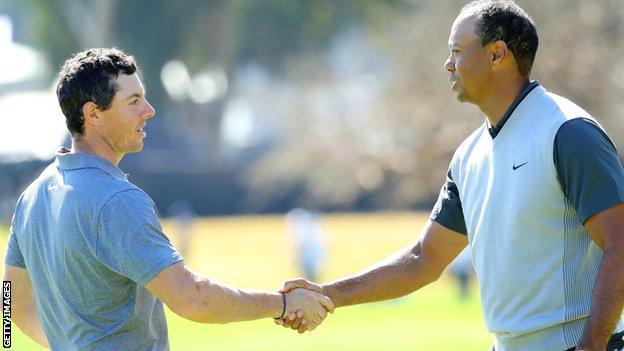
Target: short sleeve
588 167
14 254
448 208
130 238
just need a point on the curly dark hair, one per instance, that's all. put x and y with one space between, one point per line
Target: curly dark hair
90 75
506 21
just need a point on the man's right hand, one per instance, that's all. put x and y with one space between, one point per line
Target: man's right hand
306 309
296 319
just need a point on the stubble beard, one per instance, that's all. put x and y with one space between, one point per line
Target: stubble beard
463 97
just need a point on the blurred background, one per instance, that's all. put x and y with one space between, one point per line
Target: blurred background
264 106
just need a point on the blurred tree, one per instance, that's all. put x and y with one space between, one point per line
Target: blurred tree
397 150
393 143
220 33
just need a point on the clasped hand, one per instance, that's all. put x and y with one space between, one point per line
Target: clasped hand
306 306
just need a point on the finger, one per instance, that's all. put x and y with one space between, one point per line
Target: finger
327 303
297 320
288 320
302 283
303 326
296 324
278 321
293 284
321 313
315 320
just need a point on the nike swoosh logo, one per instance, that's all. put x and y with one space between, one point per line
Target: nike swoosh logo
518 166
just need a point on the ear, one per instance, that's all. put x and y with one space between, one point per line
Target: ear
499 52
90 114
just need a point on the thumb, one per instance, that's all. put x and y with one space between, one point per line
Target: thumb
326 302
296 283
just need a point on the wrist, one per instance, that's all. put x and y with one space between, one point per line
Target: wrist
278 305
331 293
283 313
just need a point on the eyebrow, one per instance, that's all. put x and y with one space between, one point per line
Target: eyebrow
135 95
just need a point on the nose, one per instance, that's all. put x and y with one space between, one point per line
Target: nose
150 110
449 64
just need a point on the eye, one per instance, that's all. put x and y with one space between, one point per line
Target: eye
134 102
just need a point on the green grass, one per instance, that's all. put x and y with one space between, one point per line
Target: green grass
431 320
255 252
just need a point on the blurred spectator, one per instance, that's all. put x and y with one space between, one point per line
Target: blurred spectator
307 229
181 211
462 270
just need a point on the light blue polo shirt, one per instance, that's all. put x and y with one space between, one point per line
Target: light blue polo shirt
90 240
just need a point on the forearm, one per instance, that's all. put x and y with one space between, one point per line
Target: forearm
27 320
217 303
394 277
607 301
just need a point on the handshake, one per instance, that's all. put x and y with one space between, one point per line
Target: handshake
305 306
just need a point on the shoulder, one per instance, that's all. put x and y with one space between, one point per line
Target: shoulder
564 107
43 181
550 113
128 202
581 128
588 167
97 187
128 197
579 136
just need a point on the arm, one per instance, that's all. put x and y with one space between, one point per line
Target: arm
607 230
592 178
23 308
133 244
398 275
206 301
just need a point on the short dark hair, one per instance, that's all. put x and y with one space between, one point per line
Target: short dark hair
506 21
90 76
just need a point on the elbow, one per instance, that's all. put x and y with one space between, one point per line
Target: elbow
435 276
185 311
435 271
24 318
425 272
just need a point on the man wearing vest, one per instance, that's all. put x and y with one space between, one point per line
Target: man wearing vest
537 192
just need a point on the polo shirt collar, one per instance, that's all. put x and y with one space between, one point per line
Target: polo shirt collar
69 161
494 130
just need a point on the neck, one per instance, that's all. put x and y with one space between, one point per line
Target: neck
495 105
95 145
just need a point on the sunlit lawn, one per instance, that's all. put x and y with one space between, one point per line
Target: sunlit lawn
256 253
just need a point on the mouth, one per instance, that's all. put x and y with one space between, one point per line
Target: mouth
142 132
454 84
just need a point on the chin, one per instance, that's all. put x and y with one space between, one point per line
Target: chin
136 148
461 97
